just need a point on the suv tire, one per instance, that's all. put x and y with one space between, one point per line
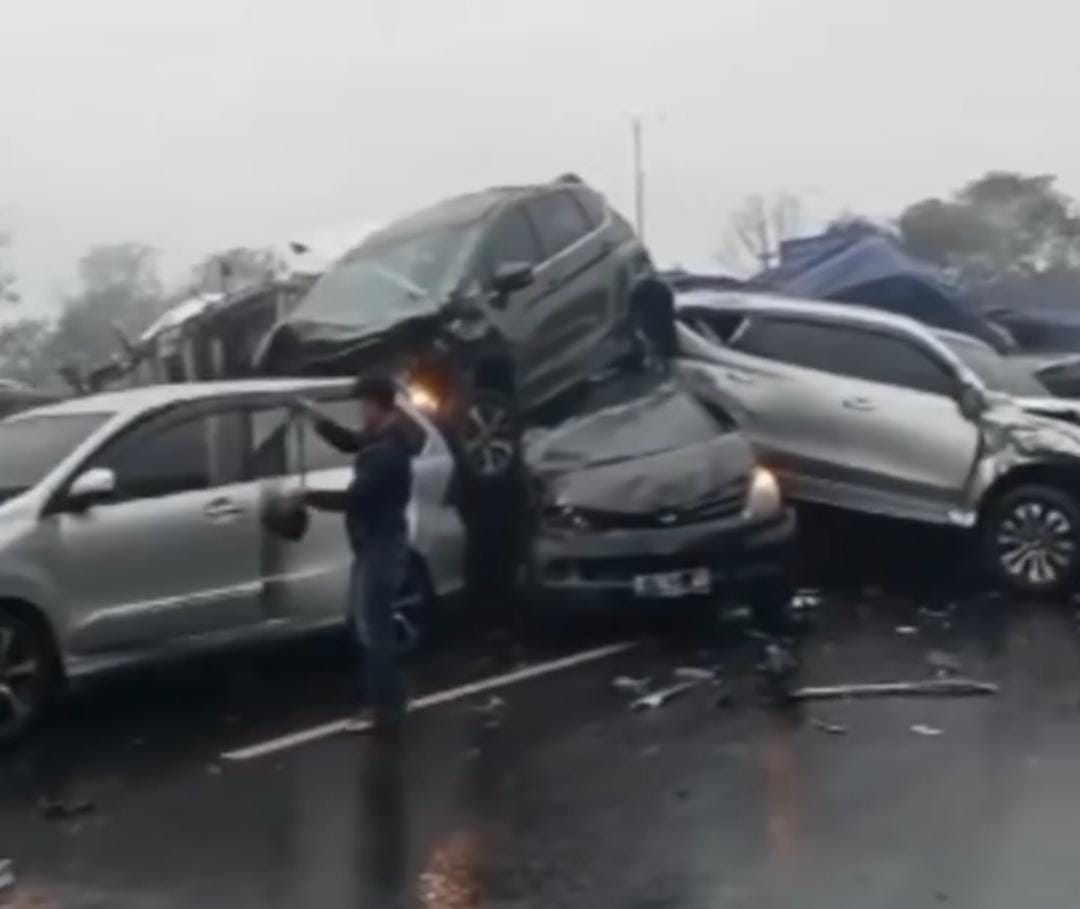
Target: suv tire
1031 535
489 436
28 673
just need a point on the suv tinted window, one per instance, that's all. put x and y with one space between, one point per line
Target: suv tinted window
560 220
180 456
512 239
846 351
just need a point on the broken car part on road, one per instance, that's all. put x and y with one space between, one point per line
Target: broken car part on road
947 687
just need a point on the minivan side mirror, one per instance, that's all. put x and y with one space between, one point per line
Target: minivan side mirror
96 485
972 402
511 276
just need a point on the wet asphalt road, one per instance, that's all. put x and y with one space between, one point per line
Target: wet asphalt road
573 800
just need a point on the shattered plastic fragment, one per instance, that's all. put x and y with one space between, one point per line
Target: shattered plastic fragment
944 662
906 629
65 809
922 729
827 727
632 685
660 698
695 674
7 876
950 687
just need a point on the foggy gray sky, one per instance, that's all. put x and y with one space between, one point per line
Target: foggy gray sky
196 125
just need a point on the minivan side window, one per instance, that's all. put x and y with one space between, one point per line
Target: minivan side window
560 220
513 239
186 455
846 351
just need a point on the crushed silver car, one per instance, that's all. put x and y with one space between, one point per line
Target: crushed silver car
130 530
655 498
872 412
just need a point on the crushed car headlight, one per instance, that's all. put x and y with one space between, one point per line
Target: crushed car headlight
763 498
564 517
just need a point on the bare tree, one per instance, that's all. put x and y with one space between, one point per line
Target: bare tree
760 224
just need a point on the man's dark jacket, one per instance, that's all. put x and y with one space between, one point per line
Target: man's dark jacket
375 501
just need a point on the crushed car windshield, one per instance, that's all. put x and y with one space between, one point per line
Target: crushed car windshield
390 276
32 446
998 373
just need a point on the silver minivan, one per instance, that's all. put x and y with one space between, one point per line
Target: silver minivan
863 410
130 529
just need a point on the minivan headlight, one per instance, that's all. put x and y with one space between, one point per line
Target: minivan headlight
763 498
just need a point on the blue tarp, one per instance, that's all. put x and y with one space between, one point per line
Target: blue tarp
867 266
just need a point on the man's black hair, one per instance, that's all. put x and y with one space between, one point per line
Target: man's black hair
380 389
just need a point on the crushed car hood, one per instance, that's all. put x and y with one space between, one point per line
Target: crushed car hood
658 452
1033 429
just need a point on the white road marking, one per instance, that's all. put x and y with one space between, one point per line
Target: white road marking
304 736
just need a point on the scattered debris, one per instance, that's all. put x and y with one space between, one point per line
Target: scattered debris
214 769
806 598
7 876
695 674
922 729
827 727
656 699
948 687
725 698
683 794
871 591
944 663
906 629
634 686
492 711
63 809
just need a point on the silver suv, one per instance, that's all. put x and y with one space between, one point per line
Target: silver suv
130 530
875 413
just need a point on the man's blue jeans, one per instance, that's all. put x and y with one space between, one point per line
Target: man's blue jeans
378 574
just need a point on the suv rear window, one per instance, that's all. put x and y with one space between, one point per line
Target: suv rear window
846 351
560 220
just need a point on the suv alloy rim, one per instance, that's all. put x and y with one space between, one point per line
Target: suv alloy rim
488 436
21 671
1035 543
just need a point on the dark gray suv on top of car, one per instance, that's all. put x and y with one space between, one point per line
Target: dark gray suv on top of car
490 304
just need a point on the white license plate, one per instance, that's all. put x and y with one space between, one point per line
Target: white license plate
672 584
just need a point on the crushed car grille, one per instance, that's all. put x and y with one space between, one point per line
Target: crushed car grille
728 503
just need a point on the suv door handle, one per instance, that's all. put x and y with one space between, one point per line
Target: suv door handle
864 405
222 510
741 377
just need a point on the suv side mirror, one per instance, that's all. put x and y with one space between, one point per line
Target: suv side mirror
511 276
972 402
96 485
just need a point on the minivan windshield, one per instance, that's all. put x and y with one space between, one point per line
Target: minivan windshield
390 276
998 373
31 446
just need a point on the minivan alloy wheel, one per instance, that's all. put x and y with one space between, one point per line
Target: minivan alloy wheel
24 675
1036 543
489 435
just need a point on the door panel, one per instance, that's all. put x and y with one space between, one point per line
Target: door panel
176 553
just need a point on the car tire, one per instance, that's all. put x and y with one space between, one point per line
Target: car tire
1031 535
29 674
489 436
416 610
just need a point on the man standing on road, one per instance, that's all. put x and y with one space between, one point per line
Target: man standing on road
374 506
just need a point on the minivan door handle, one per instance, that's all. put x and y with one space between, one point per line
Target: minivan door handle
223 509
864 405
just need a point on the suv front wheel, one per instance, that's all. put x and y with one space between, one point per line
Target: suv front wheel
490 435
28 674
1032 536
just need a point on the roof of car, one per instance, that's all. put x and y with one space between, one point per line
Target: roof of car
794 306
135 400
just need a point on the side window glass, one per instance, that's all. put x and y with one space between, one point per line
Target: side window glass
512 239
720 327
892 361
593 204
272 451
184 456
798 343
560 220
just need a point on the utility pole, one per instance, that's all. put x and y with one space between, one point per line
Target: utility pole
639 177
